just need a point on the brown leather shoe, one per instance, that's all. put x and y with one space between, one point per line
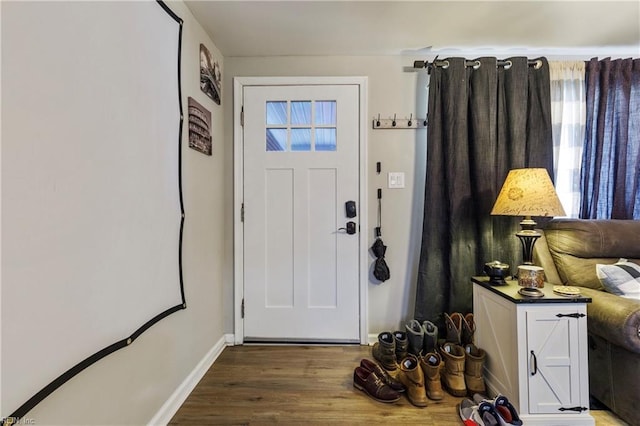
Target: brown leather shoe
372 385
394 384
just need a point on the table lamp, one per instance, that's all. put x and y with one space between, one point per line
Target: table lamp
528 192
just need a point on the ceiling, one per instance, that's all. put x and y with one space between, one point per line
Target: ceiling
284 28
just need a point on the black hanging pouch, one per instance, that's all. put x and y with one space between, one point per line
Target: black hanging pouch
380 269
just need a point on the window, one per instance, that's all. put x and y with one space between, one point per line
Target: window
301 126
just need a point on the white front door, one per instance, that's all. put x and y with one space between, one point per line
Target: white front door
301 165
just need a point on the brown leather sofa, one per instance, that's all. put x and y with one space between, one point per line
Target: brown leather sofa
569 252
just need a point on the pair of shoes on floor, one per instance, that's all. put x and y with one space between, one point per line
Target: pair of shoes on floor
482 411
423 337
463 370
459 329
387 378
390 349
506 412
412 377
373 380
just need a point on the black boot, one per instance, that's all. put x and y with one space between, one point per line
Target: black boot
415 335
384 351
402 344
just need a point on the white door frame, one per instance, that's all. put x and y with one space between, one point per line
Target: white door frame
238 184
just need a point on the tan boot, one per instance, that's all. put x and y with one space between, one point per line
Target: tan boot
474 369
453 324
430 364
468 329
453 377
412 378
384 351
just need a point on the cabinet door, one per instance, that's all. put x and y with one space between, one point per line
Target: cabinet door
553 364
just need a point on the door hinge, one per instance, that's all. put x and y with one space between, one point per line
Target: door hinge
242 116
576 315
579 409
242 309
242 213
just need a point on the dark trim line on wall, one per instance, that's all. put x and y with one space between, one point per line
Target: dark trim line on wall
14 418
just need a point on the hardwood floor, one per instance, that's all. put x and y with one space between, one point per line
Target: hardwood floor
304 385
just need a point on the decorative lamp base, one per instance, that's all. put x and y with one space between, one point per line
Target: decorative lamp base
528 236
530 292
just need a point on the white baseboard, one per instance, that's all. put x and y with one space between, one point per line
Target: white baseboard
230 339
372 338
177 398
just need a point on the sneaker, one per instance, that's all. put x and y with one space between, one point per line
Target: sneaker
488 414
468 411
505 410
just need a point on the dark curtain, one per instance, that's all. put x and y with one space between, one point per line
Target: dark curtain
610 177
482 123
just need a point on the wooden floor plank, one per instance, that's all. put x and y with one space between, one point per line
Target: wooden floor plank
253 385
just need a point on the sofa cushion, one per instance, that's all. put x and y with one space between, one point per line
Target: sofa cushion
578 245
622 278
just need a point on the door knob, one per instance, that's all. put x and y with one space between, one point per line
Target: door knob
351 228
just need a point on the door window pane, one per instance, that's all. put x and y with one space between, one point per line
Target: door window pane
301 112
291 124
276 139
276 112
326 139
325 113
301 139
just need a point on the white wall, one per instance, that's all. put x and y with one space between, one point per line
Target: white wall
393 88
131 385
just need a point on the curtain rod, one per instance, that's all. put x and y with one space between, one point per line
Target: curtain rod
475 64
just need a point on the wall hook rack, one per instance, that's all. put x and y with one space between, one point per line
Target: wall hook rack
399 123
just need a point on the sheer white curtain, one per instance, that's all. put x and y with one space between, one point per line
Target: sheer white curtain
568 117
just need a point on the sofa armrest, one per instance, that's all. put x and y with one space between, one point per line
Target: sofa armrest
542 257
614 318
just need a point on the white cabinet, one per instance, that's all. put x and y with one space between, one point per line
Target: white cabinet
536 352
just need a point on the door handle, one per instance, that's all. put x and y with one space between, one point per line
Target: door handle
534 364
351 228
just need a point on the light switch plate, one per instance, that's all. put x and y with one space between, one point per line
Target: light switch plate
395 180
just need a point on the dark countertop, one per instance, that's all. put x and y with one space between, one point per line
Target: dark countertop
510 292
